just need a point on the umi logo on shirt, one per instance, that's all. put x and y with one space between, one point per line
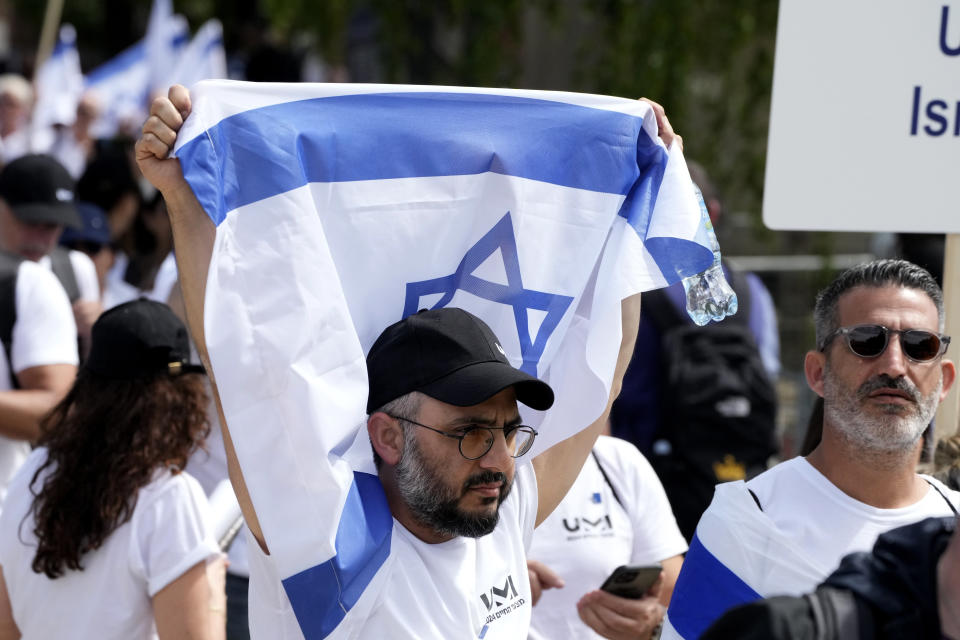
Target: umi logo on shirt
500 601
497 597
586 525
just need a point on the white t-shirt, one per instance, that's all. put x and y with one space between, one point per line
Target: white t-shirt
590 534
84 271
111 597
117 290
463 588
44 333
826 523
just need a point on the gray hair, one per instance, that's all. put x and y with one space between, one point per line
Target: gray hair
406 406
879 273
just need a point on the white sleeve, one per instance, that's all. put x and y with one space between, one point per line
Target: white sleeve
525 480
86 275
656 535
44 332
171 533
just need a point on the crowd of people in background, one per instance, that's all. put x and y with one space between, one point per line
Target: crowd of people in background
81 235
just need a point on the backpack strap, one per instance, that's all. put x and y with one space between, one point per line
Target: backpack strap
9 266
62 267
606 478
945 498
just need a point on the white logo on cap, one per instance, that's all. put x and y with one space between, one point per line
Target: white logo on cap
500 349
64 195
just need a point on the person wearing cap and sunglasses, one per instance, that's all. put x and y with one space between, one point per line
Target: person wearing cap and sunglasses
100 522
880 367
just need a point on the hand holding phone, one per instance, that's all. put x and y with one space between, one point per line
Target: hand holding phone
631 581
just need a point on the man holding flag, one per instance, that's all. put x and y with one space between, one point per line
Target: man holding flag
304 220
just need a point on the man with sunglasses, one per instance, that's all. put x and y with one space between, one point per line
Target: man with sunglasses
880 367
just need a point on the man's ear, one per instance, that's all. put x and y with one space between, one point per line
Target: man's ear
949 372
386 435
813 367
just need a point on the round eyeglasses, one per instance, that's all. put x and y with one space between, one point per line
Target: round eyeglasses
476 439
871 340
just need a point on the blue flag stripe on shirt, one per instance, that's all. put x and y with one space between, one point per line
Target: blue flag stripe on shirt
281 147
705 589
322 595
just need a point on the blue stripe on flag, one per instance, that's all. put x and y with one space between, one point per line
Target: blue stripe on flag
705 589
135 54
322 595
281 147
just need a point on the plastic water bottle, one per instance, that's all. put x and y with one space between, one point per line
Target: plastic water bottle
709 295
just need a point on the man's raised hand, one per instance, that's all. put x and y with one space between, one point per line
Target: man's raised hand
157 139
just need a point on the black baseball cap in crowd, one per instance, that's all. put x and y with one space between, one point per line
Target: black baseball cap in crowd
449 355
138 339
39 190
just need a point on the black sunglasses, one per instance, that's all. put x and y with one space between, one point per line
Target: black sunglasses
871 340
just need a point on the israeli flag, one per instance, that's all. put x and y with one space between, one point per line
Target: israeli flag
162 44
719 574
342 208
122 84
59 83
203 59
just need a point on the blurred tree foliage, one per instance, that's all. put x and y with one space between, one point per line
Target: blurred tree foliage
709 64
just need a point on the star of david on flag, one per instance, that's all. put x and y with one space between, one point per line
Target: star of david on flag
512 293
340 209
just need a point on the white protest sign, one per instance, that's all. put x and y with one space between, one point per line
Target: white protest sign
865 117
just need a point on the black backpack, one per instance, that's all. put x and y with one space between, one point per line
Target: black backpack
9 265
717 404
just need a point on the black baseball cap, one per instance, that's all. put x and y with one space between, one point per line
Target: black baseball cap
138 339
449 355
38 189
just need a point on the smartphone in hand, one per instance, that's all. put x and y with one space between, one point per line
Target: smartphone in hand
631 581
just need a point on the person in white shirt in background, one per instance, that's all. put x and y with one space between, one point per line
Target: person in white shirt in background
100 523
16 103
616 513
36 205
73 142
38 361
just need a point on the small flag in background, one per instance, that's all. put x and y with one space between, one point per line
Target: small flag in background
59 83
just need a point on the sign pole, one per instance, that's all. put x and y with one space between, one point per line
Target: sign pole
48 34
948 414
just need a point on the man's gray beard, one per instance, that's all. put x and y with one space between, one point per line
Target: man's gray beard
891 432
434 504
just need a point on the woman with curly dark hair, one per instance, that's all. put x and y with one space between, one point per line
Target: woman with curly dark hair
101 535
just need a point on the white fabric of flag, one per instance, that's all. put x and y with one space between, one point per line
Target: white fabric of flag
341 209
59 83
717 572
